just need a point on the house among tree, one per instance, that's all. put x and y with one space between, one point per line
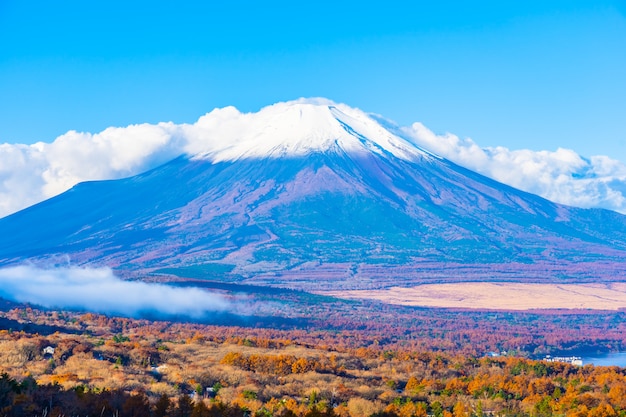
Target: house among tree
48 351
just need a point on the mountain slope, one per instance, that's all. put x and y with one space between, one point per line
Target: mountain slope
312 197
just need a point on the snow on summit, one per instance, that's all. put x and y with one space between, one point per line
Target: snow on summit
32 173
291 129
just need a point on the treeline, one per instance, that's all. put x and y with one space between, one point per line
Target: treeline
372 326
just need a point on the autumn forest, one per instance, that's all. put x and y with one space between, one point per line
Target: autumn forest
400 362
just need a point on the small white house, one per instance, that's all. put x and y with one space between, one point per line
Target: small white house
48 350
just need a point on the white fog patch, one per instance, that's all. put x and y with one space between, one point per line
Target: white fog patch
99 290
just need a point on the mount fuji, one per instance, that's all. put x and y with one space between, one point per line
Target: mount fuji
315 195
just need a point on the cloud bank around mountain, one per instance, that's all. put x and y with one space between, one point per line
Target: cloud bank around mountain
561 176
99 290
32 173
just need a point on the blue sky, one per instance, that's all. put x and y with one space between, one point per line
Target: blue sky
527 74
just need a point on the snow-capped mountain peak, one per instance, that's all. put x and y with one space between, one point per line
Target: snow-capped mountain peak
313 194
293 129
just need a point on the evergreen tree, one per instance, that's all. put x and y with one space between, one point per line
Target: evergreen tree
185 406
162 406
136 406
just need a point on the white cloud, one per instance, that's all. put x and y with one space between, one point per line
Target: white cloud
21 183
32 173
99 290
561 176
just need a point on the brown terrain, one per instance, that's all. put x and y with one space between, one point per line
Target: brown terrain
499 296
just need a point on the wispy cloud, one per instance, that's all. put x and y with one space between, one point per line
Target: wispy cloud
32 173
99 290
561 176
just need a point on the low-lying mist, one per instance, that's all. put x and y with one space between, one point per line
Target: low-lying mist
99 290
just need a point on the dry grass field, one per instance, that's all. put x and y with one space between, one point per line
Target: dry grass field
500 296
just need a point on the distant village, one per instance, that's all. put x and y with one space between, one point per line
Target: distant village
572 360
